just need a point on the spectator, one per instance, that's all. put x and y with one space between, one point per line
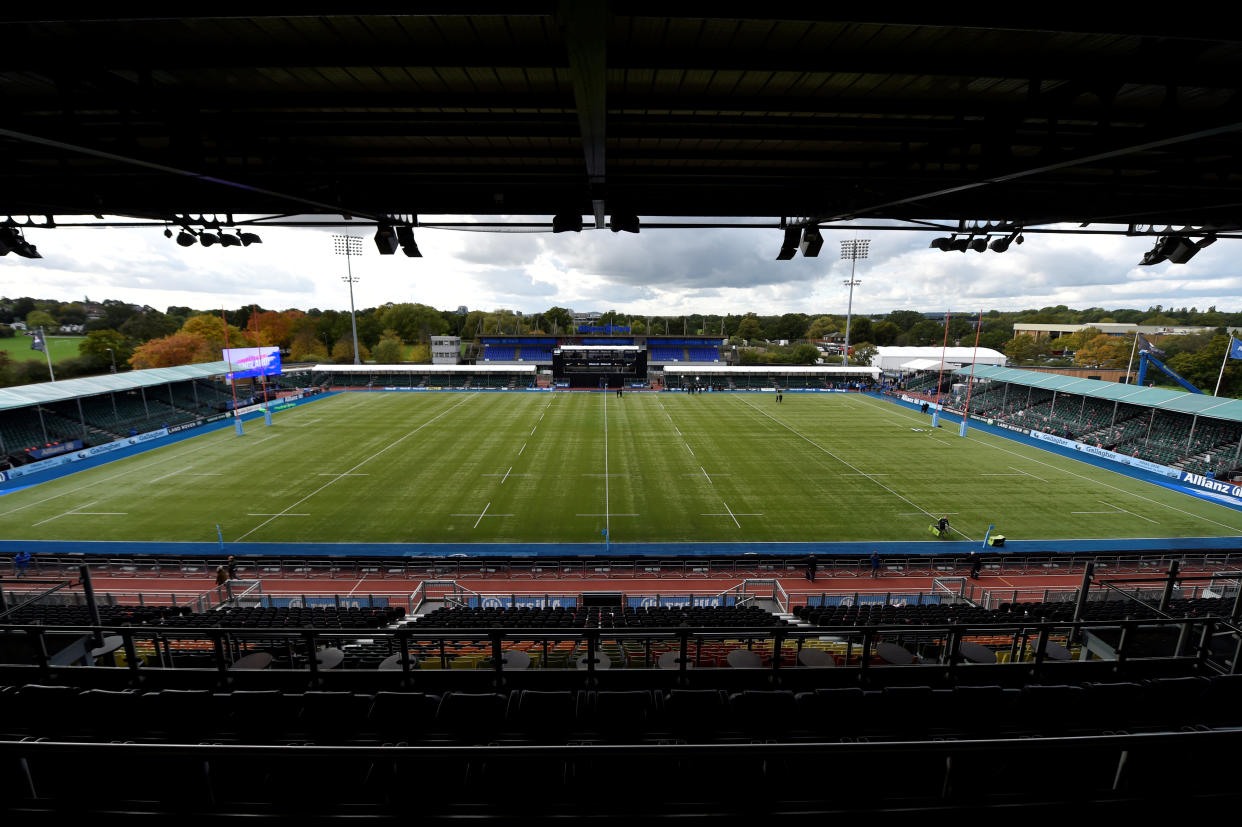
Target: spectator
875 564
222 575
21 562
232 567
811 567
976 563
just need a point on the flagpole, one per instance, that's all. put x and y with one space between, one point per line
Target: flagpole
47 351
1133 348
971 386
1223 362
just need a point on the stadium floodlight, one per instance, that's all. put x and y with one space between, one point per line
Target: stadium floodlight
1001 243
793 237
812 242
405 236
941 244
350 246
979 244
961 244
227 240
567 223
623 223
12 241
1182 250
248 238
186 238
853 249
385 240
207 239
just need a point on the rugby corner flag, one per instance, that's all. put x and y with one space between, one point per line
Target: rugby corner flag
1235 348
37 342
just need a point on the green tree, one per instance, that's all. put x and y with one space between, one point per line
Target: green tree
821 327
864 354
1104 351
389 350
885 332
860 329
926 332
904 319
805 354
40 318
749 327
1025 349
343 351
142 327
97 343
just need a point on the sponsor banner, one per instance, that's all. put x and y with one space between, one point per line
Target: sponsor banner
681 600
1220 487
3 476
509 601
185 426
86 453
1112 456
327 602
49 451
931 406
284 406
247 409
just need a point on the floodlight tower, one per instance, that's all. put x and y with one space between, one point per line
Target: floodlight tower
350 246
853 249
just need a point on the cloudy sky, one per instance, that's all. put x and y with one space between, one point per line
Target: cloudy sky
657 272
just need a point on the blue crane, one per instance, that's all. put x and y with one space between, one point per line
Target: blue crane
1145 357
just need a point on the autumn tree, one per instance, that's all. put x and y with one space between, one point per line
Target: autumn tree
1104 351
170 351
389 351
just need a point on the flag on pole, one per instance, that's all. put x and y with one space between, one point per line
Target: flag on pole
1143 344
37 343
1235 348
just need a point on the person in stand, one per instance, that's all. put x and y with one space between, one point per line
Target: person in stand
231 565
976 563
942 525
222 575
21 562
875 564
811 567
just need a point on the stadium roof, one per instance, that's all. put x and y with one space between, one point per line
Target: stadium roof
425 368
776 370
47 392
926 364
1159 398
660 109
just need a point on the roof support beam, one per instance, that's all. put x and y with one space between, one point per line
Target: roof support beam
586 41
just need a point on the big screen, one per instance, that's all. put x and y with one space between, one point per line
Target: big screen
253 361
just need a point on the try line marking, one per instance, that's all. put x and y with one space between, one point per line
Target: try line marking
66 514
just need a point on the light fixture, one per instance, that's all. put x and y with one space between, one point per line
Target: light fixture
1001 244
248 238
168 232
812 242
623 223
385 239
960 244
207 239
793 237
227 240
979 243
567 223
186 238
941 244
405 235
12 241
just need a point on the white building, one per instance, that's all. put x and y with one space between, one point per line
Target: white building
893 359
445 350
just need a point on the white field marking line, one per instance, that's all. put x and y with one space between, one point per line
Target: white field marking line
861 474
1094 512
1123 511
204 475
709 479
935 439
675 428
717 474
523 449
1028 473
282 514
605 515
532 430
101 513
606 475
1004 475
607 507
166 476
67 513
392 444
1038 461
924 514
688 448
506 476
730 510
267 439
476 522
329 474
541 417
846 464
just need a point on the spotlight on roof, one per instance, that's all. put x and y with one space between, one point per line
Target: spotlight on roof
386 239
623 223
941 244
227 240
961 244
186 238
207 239
1001 244
405 235
567 223
1182 250
812 242
979 244
793 237
248 238
12 241
168 232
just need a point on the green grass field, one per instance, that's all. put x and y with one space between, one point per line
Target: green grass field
61 347
461 467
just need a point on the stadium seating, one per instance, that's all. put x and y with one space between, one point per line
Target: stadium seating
667 354
599 617
499 353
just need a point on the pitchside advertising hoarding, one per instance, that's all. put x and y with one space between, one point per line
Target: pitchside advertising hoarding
252 361
1220 487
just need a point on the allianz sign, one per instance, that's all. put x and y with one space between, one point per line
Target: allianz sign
1210 484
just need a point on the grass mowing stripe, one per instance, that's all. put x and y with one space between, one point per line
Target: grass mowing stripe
355 468
1089 479
847 465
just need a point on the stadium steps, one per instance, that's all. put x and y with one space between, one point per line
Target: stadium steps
791 619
